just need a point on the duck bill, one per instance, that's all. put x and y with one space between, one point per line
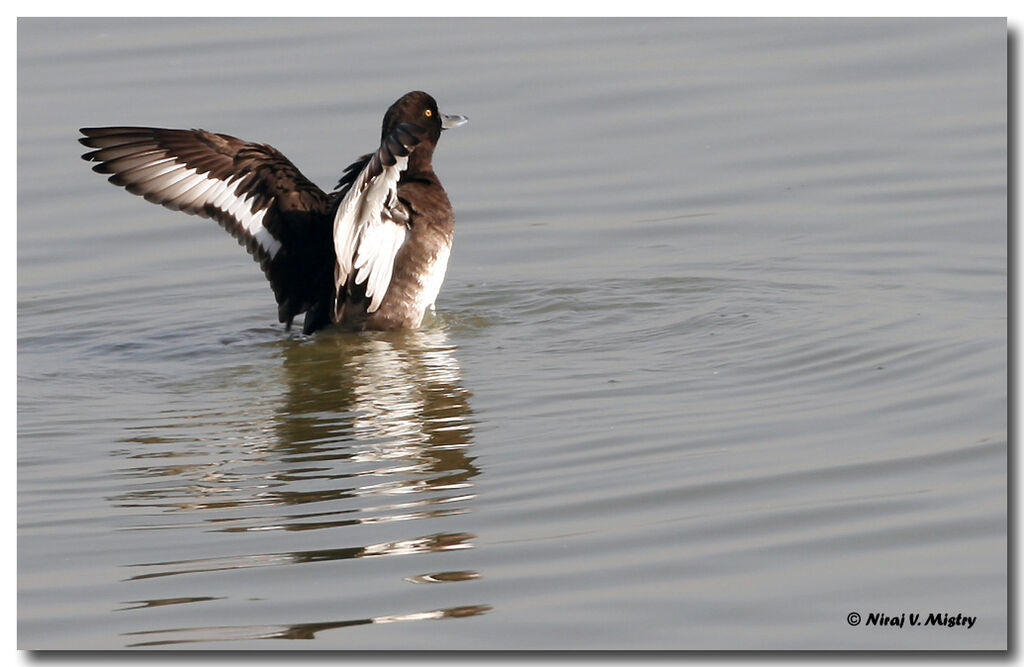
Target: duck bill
450 121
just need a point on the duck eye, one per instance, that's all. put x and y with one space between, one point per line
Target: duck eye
428 113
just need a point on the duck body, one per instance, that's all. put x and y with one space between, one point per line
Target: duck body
372 254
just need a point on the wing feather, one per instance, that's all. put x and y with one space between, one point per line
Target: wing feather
369 226
252 190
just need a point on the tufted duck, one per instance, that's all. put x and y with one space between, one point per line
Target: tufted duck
371 254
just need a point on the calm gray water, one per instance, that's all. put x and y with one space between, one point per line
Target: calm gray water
721 357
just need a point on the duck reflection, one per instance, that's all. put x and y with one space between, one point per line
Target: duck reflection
396 401
368 429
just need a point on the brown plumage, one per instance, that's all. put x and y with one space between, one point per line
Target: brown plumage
365 256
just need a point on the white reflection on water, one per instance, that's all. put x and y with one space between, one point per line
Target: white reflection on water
363 418
296 631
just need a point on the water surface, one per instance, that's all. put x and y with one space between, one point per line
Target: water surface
720 358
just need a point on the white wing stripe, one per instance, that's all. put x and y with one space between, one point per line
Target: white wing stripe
215 192
170 178
187 188
224 195
137 160
134 160
366 238
269 243
380 277
150 171
198 191
182 187
236 207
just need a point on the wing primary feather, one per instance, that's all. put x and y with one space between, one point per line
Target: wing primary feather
251 189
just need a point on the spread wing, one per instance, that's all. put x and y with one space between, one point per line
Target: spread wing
252 190
370 224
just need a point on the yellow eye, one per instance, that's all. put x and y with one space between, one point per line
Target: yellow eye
428 113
